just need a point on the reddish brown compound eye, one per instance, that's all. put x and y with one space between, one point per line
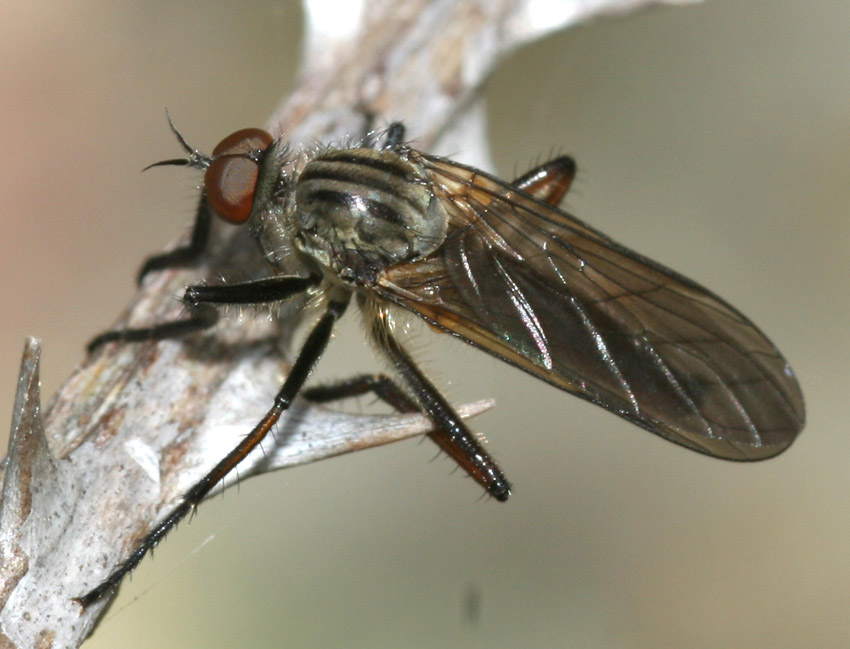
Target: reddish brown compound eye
231 179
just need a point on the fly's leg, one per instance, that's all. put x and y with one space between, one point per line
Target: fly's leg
395 135
550 181
381 385
310 353
201 300
451 434
389 392
188 254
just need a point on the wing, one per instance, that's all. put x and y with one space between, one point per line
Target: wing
543 291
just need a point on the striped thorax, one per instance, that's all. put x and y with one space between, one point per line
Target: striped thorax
359 211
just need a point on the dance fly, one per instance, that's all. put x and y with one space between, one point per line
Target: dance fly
496 264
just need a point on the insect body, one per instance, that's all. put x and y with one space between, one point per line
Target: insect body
499 266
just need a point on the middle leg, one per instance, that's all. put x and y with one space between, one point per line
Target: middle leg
309 355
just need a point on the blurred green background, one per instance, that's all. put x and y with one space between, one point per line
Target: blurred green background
714 138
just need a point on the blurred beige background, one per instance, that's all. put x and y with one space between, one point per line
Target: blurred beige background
714 138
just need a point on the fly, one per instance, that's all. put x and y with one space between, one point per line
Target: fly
493 263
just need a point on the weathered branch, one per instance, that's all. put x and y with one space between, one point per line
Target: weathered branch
136 425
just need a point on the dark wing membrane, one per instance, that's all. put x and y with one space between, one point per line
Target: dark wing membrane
539 289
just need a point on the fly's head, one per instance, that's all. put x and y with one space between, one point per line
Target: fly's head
245 182
359 211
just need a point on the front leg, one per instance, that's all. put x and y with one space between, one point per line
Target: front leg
201 301
188 254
